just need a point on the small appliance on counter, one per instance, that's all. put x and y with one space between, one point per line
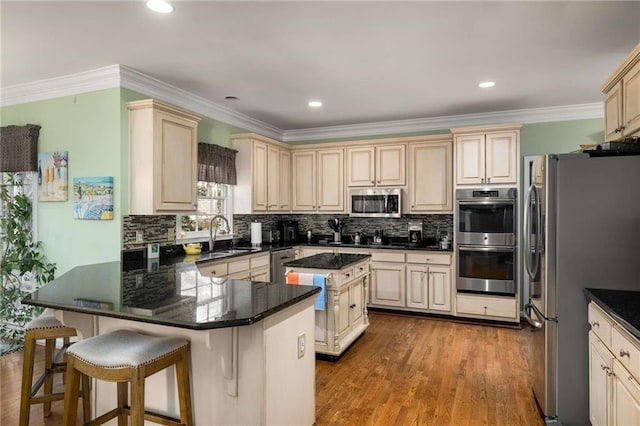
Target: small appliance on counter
378 236
271 237
415 232
288 230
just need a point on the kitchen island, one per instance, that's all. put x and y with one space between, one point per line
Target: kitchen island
343 318
246 366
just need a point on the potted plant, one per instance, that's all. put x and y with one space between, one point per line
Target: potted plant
22 260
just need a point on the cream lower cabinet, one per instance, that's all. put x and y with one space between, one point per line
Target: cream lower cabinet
614 369
498 308
248 267
388 286
318 180
345 316
163 150
429 282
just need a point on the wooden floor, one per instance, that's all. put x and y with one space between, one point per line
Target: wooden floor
404 371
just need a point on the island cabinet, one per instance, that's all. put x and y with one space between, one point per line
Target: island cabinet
263 175
163 158
377 165
487 155
622 99
248 267
344 317
431 175
429 282
614 371
318 180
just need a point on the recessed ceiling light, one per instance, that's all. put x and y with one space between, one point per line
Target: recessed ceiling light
486 84
315 104
160 6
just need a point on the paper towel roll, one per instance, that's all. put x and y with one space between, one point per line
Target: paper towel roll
256 234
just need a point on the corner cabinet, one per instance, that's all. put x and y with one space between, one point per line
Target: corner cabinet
376 165
264 175
614 370
622 99
163 158
431 175
318 180
487 155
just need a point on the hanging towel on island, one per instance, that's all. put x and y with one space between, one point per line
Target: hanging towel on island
318 280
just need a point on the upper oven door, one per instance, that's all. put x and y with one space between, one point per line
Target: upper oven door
487 222
375 202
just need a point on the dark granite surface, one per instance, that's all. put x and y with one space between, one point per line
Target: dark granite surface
622 305
327 261
166 293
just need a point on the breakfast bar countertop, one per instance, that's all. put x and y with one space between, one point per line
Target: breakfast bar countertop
174 295
622 305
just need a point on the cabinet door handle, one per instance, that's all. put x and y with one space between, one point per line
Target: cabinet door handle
610 373
624 353
352 306
347 275
594 324
373 181
378 181
488 180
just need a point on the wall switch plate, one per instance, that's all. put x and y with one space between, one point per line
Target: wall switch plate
302 344
171 234
139 236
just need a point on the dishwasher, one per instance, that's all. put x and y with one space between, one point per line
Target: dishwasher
277 268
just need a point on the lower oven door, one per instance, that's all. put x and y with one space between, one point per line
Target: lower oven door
489 270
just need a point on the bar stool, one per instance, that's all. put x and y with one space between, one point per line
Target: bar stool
126 356
46 327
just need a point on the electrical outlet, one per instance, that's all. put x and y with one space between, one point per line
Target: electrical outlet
301 344
139 236
171 234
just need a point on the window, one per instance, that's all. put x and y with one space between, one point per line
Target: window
213 199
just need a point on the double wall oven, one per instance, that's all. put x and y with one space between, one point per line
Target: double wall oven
486 240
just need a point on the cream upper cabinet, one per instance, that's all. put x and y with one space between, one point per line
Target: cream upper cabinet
377 165
318 180
622 99
487 157
163 151
431 176
264 175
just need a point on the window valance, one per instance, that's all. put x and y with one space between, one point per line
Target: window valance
19 148
216 164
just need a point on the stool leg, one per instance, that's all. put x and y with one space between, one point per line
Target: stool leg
86 399
49 347
137 397
184 388
123 397
27 377
72 391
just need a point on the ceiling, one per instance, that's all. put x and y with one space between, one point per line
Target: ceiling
368 62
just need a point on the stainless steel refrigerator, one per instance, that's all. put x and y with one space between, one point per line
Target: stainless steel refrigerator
581 230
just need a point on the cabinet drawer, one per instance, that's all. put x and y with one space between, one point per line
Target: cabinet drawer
361 269
259 261
387 257
239 266
486 306
433 258
625 351
600 324
345 276
213 269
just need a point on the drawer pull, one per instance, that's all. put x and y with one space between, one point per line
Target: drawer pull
347 275
604 367
352 306
594 324
624 353
610 373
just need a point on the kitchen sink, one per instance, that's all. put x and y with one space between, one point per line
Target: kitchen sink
218 254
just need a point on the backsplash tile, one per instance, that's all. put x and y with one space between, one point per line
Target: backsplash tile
155 229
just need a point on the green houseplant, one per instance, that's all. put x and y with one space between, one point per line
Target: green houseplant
22 259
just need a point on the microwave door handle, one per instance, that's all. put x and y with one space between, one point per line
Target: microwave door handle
486 249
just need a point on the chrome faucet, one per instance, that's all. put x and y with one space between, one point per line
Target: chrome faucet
213 235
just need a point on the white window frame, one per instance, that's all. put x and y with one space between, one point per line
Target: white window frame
202 236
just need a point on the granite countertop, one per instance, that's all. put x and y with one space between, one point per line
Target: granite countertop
172 294
622 305
327 261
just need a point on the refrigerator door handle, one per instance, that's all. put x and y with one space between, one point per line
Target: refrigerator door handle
527 233
536 323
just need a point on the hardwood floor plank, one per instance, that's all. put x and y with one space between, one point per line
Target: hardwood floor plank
403 371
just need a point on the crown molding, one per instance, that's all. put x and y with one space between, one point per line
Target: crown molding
532 115
122 76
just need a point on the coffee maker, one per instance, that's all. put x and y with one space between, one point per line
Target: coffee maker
288 231
415 232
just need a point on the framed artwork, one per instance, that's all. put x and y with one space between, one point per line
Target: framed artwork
93 198
52 176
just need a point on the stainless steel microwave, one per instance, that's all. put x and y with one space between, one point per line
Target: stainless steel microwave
379 202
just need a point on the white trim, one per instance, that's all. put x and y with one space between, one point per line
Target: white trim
122 76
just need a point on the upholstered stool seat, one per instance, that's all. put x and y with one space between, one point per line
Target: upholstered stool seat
45 327
125 356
